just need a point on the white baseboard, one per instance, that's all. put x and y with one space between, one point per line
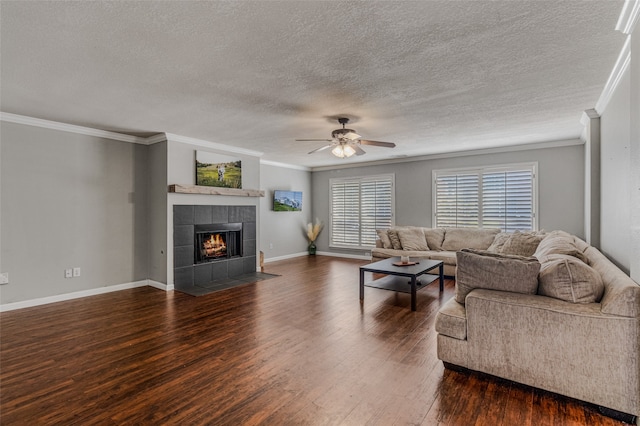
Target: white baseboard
285 257
345 255
84 293
320 253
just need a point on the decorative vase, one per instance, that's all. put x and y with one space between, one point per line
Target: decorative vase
312 248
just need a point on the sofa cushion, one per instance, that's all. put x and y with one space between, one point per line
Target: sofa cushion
395 240
522 243
384 238
412 239
448 257
458 238
559 242
435 237
382 253
498 242
452 320
567 278
483 269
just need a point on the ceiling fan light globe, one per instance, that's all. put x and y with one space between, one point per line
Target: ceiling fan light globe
338 151
343 151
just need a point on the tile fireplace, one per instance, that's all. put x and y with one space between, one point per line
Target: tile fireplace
212 243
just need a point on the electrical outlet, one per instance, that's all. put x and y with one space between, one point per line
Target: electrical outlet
68 273
76 272
270 245
4 278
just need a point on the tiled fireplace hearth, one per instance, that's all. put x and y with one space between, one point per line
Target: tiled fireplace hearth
212 244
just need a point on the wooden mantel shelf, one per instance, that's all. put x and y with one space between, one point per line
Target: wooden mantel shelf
213 190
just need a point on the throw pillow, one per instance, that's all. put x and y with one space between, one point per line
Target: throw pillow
435 237
459 238
522 243
393 237
483 269
559 242
567 278
413 239
384 238
498 242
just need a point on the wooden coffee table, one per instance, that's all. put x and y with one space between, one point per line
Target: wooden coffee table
396 279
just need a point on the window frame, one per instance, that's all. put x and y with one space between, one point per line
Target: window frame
480 171
359 180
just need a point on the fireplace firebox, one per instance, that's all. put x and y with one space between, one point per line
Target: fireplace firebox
217 241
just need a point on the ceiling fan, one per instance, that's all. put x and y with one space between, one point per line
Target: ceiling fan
346 142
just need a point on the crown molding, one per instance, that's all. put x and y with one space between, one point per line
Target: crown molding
629 16
621 66
285 165
160 137
588 115
626 23
484 151
71 128
213 145
585 120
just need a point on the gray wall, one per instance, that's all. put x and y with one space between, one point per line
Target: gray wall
615 207
560 186
282 233
634 158
70 200
157 221
620 168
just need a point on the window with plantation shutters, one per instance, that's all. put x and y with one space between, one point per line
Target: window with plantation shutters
494 197
457 200
359 206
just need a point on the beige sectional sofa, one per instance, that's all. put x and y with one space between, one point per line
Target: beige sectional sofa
431 243
566 320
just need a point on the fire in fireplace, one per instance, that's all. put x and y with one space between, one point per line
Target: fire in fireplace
214 246
217 241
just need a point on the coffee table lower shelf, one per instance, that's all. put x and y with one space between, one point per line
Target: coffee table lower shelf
401 284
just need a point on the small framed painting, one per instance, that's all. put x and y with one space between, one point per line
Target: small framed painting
287 201
218 170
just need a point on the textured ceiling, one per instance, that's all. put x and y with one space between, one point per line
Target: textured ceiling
431 76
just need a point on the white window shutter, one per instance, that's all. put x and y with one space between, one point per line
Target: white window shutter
375 209
345 203
508 200
359 206
457 203
487 198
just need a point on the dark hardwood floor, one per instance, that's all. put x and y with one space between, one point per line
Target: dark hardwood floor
298 349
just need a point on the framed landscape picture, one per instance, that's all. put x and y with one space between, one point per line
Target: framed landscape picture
218 170
287 201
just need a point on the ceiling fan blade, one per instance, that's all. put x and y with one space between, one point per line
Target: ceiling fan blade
314 140
378 143
357 149
322 148
352 136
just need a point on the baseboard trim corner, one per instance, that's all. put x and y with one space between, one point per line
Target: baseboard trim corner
160 286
